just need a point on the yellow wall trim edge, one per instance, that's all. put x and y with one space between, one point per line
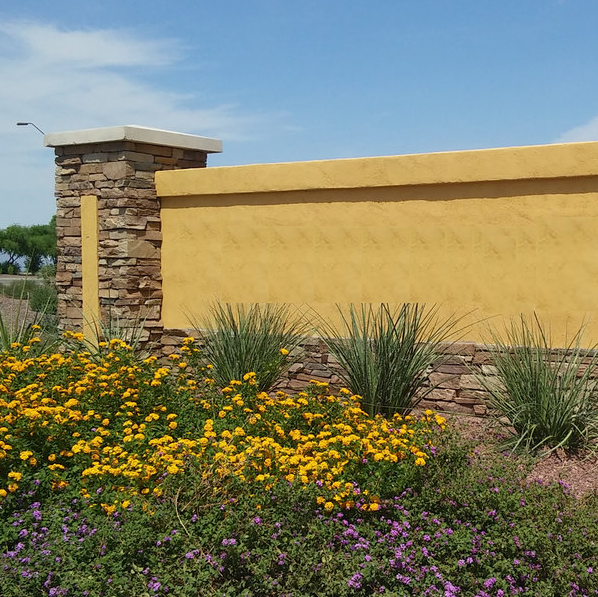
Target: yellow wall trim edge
511 163
89 263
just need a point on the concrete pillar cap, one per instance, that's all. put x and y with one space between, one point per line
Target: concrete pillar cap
136 134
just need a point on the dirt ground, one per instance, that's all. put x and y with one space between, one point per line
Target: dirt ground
579 472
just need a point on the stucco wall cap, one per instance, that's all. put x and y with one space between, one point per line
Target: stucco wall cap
135 133
564 160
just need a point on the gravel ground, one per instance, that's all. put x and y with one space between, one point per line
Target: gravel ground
11 308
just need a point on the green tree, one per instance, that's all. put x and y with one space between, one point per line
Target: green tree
35 244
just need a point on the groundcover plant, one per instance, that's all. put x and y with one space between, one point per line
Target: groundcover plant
121 476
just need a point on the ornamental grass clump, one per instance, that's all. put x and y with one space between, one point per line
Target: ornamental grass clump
16 329
544 397
130 331
388 354
258 338
22 328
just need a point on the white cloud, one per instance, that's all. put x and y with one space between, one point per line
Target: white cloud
47 45
67 80
74 79
585 132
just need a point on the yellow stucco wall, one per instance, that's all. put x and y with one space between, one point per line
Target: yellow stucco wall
496 232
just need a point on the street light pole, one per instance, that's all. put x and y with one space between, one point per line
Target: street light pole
32 124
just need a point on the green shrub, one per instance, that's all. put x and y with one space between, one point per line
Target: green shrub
44 297
387 354
9 268
18 288
544 397
256 338
24 322
134 478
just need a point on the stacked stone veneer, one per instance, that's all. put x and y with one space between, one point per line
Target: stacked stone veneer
121 175
455 380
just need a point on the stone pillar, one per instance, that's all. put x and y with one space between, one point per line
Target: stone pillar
116 165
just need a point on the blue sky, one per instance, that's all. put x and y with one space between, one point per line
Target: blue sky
286 81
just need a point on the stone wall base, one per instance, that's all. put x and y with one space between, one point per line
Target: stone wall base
457 387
